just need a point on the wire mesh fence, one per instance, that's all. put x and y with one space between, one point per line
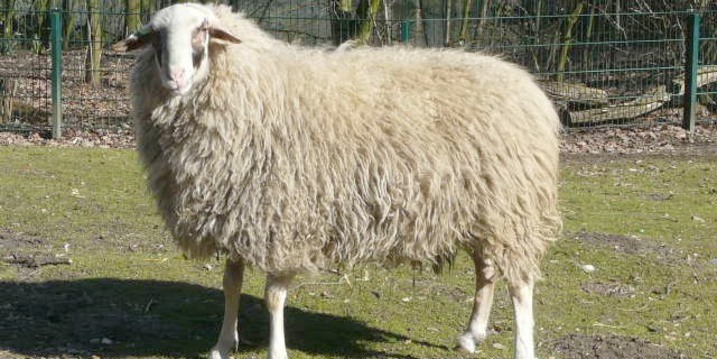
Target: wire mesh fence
602 65
24 69
707 94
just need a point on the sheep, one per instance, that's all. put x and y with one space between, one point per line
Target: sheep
292 159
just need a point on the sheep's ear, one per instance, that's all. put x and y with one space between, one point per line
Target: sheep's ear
218 32
135 41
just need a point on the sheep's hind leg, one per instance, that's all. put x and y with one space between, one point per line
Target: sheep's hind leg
275 297
485 288
228 337
522 296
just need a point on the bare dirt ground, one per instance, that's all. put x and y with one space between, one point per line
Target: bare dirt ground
629 245
581 346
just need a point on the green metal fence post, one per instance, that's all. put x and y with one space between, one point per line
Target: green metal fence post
406 31
56 18
691 72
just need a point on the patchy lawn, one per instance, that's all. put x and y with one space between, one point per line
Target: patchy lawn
87 269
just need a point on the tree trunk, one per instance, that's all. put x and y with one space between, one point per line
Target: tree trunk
132 12
8 20
420 36
388 21
368 9
568 39
537 50
147 8
8 89
575 94
463 33
449 9
69 19
343 21
618 14
43 31
94 46
588 37
483 13
648 102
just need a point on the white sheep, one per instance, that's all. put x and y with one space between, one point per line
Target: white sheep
292 159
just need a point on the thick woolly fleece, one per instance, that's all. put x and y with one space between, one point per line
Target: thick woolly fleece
296 159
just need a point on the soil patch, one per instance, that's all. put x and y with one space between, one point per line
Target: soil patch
582 346
609 289
680 153
27 252
14 241
628 245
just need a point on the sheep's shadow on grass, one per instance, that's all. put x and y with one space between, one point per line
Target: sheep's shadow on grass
119 318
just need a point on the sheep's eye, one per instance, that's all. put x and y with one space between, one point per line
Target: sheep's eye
199 37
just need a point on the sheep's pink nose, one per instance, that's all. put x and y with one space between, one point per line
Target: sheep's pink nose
177 75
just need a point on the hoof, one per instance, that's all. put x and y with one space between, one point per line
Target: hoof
278 354
217 353
466 344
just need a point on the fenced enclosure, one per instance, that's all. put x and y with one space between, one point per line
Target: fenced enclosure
614 63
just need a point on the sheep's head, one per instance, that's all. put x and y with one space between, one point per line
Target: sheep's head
179 36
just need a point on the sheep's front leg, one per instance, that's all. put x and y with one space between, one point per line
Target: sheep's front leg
275 297
228 337
522 296
485 288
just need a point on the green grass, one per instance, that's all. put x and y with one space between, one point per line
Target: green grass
128 283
